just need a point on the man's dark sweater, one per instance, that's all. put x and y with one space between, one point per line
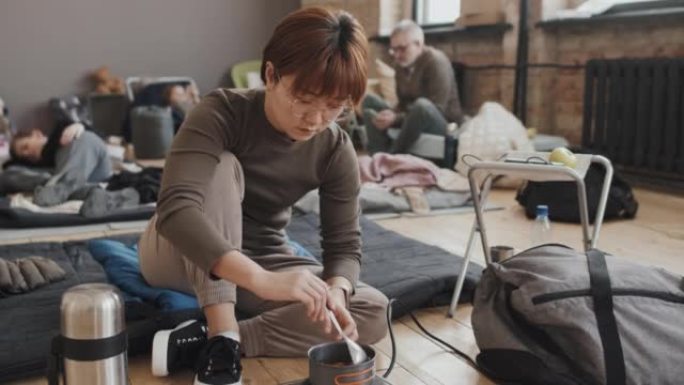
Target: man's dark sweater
431 76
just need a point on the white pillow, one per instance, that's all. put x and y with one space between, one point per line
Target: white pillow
490 134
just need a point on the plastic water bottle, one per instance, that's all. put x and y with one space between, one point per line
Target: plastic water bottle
541 229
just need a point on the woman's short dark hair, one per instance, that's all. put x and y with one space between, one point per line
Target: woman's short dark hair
325 50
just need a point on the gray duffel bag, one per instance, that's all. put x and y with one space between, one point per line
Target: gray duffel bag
552 315
152 130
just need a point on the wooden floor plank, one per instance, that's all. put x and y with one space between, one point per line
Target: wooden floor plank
427 361
254 372
140 374
72 237
398 375
462 314
286 369
12 241
447 329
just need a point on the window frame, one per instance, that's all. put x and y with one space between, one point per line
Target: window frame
415 12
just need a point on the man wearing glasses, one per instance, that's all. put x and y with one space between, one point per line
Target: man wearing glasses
427 92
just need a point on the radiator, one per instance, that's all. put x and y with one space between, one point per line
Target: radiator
634 114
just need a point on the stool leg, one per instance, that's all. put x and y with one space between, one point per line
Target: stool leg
468 253
584 213
479 201
607 180
464 268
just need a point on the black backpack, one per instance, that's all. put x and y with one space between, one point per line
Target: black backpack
561 197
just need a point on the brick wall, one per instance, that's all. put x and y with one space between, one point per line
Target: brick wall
554 97
480 85
377 16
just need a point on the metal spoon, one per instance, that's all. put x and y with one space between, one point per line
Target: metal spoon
356 352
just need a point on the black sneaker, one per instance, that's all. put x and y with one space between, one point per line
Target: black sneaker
177 348
219 363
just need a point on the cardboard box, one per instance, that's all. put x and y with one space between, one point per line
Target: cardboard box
480 12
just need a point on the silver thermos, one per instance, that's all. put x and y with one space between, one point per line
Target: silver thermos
91 349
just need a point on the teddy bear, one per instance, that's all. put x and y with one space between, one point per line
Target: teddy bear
106 83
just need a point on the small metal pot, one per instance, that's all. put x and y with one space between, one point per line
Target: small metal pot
501 253
330 364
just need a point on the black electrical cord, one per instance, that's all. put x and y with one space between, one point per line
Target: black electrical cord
534 159
466 357
453 349
393 357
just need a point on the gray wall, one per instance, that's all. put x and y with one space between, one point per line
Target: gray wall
47 47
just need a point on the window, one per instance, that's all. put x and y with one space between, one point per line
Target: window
608 7
596 7
436 12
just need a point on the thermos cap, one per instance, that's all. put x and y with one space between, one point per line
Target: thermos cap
92 311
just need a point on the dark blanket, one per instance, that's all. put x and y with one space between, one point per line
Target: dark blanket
23 179
414 273
31 320
14 218
145 182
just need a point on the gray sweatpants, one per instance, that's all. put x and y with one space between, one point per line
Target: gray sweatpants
79 166
275 328
85 160
421 117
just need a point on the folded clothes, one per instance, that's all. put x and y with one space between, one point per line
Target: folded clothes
29 273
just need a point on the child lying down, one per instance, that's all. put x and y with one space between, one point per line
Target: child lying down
79 161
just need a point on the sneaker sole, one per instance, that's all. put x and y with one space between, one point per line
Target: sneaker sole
160 344
198 382
160 354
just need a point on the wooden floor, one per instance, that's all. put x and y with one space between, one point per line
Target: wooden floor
655 237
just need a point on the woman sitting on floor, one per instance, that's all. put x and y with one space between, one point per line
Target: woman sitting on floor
239 162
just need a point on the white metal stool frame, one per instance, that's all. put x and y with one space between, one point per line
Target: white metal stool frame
522 165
